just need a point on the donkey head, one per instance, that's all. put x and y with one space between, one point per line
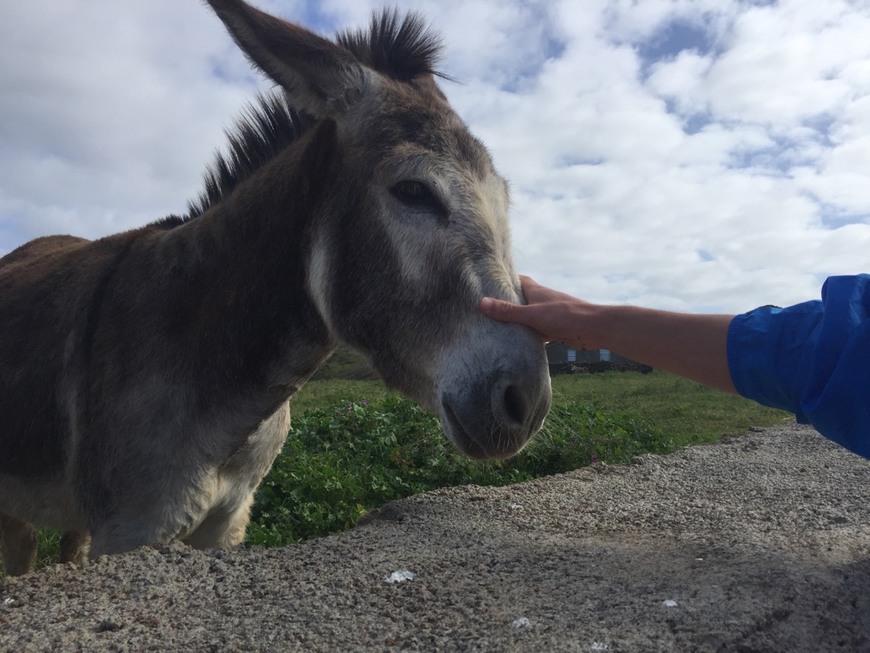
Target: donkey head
415 232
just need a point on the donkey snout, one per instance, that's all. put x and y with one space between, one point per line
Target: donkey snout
497 419
511 404
518 408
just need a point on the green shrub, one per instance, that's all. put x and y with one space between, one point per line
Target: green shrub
342 461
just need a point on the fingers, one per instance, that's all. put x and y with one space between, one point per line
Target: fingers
527 281
535 293
507 312
497 309
529 287
504 311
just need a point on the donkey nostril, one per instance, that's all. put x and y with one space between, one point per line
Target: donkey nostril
515 404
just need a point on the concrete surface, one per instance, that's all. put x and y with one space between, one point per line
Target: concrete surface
758 543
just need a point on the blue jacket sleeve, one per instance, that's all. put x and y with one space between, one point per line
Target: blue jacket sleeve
812 359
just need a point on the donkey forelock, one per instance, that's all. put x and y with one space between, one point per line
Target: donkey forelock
401 49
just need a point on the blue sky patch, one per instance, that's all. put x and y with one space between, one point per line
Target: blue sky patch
673 38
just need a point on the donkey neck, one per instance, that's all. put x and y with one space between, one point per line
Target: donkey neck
245 260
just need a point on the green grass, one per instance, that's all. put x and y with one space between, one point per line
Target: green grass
689 412
345 363
354 445
322 394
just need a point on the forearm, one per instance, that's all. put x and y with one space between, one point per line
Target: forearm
693 346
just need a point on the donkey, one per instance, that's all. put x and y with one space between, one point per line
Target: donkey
145 376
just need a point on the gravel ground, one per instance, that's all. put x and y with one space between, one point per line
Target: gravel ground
758 543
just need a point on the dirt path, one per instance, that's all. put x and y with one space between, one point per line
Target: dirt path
759 543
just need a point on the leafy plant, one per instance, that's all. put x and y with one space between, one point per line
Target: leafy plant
342 461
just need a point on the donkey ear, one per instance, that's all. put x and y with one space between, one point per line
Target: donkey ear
320 77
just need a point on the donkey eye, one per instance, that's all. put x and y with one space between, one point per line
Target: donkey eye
416 194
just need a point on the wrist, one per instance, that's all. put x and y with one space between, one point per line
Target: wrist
591 326
607 325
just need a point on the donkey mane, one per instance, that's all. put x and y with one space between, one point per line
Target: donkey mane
265 128
401 48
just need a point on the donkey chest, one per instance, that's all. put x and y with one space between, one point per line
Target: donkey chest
221 488
241 472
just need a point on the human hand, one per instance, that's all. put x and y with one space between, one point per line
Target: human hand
552 314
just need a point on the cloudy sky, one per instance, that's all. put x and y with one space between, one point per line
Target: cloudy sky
694 155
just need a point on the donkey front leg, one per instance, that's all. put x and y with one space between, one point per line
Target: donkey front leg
146 518
17 545
74 547
224 527
225 524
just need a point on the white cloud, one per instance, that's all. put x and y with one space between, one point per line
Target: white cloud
690 155
110 112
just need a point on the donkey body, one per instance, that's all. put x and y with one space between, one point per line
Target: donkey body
144 377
